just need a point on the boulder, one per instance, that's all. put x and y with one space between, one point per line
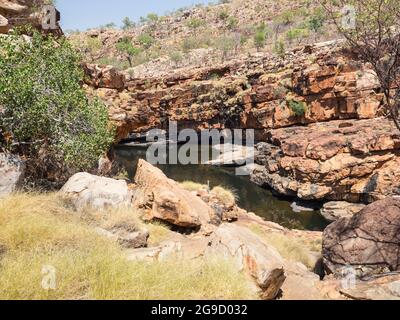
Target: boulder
12 170
368 242
164 199
251 255
334 210
130 240
104 76
85 189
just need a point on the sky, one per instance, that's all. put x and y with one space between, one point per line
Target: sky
85 14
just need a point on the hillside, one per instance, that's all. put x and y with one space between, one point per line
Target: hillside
204 35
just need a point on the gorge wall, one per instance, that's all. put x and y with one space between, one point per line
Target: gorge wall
318 112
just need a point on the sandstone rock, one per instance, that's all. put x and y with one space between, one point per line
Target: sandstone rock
85 189
334 210
301 284
262 262
252 92
369 241
164 199
352 160
386 288
130 240
104 77
12 170
232 155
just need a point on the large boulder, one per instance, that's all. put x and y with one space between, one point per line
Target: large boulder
368 242
160 198
250 254
334 210
85 189
12 170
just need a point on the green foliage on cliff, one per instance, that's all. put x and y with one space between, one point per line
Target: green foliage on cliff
299 108
46 115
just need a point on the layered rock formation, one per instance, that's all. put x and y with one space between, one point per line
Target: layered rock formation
341 151
350 160
311 84
14 13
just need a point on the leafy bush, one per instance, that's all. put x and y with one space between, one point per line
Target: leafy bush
46 115
223 15
295 34
195 23
299 108
261 36
127 23
316 21
126 47
146 40
279 48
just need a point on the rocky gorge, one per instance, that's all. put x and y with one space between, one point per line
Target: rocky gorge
322 134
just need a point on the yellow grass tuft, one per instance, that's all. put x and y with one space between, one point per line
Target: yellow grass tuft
227 196
38 230
290 248
192 186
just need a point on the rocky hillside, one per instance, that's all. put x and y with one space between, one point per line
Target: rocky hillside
204 36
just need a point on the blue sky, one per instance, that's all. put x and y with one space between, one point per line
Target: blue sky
84 14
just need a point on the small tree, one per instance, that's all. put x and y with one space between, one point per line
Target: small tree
371 28
127 24
46 116
146 40
260 36
126 47
93 45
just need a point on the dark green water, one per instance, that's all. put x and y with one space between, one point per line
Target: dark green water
251 197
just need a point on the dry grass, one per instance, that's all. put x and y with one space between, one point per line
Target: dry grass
227 196
290 248
38 230
158 232
192 186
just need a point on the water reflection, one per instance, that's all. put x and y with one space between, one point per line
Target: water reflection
251 197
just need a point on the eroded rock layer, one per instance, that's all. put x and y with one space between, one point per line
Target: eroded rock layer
319 111
311 84
338 160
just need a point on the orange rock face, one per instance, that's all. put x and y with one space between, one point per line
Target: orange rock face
314 84
317 108
353 160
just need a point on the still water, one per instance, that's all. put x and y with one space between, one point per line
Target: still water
250 196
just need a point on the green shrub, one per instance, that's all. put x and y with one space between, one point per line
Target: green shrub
223 15
295 34
232 23
195 23
146 40
127 23
126 47
260 36
299 108
46 115
316 21
279 48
